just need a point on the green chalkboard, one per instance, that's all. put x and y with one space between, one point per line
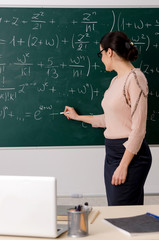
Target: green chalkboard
48 59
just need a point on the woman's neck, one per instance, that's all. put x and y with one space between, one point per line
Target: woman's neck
122 68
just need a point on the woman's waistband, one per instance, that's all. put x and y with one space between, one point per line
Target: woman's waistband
115 142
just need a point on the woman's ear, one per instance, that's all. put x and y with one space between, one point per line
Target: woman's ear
110 52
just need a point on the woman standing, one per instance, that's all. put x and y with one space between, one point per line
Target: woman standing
128 157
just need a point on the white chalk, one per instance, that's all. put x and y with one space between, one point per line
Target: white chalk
63 112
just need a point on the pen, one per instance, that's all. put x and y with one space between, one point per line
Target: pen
78 208
95 216
63 112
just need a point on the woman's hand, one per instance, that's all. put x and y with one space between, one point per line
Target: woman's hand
70 113
119 176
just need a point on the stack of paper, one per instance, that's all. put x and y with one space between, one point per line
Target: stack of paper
145 223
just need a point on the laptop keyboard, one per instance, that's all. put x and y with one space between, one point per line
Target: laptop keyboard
61 226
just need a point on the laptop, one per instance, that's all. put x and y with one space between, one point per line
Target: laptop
28 207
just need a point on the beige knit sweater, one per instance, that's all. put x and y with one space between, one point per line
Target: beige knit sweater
125 109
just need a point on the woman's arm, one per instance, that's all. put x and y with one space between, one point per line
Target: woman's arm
120 174
70 113
94 120
137 90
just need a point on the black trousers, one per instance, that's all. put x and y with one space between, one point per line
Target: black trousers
132 191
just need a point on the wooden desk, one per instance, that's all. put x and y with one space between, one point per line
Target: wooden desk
101 231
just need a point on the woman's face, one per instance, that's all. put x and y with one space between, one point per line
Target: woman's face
106 59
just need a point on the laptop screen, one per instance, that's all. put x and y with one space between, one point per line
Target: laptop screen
28 206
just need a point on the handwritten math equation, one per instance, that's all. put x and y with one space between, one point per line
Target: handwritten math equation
44 53
88 22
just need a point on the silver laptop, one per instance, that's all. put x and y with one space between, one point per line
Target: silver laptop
28 206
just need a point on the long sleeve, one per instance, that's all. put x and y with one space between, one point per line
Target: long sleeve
136 93
99 121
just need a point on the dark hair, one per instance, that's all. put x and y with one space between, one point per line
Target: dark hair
121 44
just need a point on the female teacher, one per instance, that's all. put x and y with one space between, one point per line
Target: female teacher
128 157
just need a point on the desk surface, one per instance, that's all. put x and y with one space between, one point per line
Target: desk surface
102 231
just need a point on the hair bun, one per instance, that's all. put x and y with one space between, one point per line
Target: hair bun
127 45
121 44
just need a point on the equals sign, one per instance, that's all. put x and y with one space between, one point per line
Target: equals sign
27 114
2 41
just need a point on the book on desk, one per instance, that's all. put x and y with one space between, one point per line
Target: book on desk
141 224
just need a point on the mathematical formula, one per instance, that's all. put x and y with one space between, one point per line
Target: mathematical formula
42 54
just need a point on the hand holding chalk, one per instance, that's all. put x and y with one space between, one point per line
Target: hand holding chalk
70 113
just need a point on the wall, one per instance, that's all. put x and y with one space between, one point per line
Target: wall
80 2
78 170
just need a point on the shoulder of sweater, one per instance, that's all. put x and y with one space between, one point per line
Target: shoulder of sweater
137 75
138 78
113 79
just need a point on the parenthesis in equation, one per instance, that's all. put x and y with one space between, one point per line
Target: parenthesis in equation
148 42
118 22
91 91
5 108
73 36
29 40
89 66
157 70
113 13
57 39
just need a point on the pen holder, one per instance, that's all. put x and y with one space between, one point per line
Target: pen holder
77 223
